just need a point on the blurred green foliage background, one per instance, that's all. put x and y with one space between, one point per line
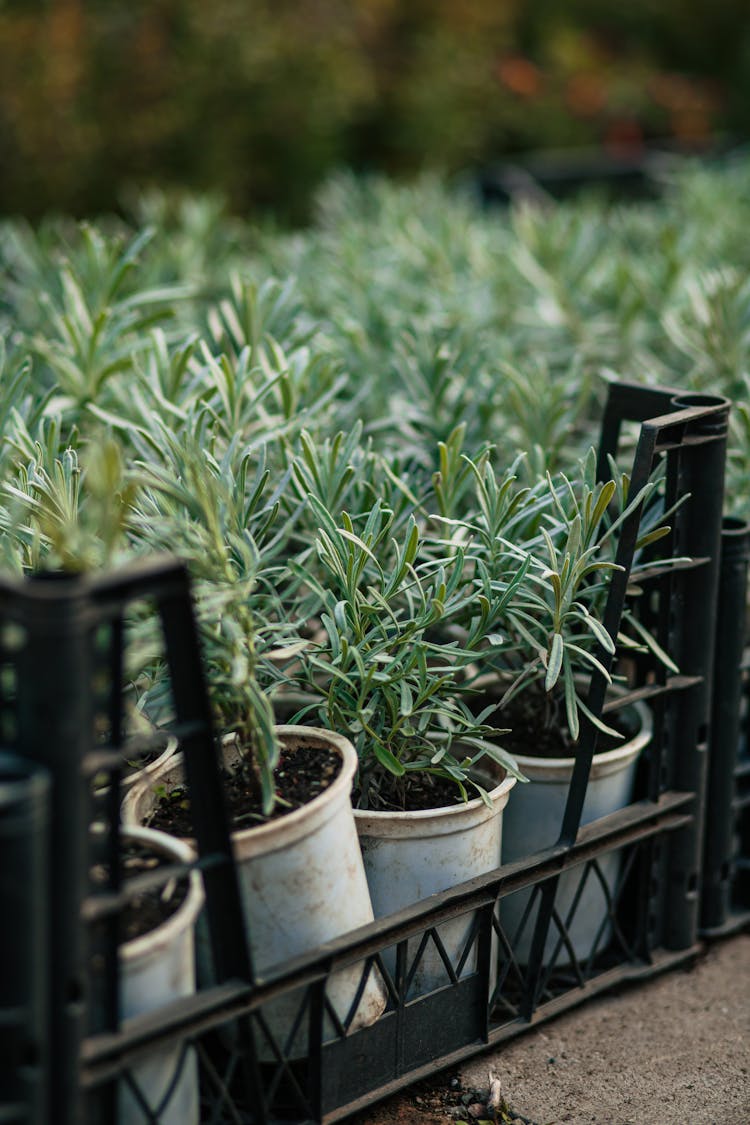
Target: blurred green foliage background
260 99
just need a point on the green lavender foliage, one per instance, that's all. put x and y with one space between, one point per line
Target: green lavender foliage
367 438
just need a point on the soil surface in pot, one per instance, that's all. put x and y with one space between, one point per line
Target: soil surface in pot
539 727
152 907
305 770
416 792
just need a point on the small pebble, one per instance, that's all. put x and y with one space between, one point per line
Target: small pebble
476 1110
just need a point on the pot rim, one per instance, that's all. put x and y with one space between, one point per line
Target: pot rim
300 822
284 830
130 779
442 814
185 915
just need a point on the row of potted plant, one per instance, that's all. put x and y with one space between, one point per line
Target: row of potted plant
394 627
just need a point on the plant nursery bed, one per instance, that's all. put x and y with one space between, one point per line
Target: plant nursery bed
363 475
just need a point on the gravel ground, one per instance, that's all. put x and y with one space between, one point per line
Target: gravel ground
672 1051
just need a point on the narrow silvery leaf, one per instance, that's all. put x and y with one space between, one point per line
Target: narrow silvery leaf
571 704
554 663
600 633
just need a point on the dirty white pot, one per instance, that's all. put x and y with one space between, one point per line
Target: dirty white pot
157 968
302 881
170 749
534 820
412 855
128 780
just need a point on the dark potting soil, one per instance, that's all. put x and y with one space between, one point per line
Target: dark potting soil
539 726
534 732
416 792
305 770
148 909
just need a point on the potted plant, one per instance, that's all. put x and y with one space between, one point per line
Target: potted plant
300 869
428 812
553 640
157 966
538 557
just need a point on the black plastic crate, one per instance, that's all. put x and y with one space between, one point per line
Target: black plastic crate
726 893
71 630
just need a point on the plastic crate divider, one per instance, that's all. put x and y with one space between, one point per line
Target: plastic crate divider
719 860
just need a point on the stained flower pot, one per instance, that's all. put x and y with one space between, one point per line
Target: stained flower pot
411 855
302 881
156 969
138 771
533 822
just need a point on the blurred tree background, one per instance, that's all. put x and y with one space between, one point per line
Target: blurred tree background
261 99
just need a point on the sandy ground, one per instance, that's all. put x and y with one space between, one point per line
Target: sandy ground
672 1051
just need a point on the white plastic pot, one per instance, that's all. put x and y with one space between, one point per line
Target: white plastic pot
131 779
128 780
533 822
302 881
412 855
157 968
